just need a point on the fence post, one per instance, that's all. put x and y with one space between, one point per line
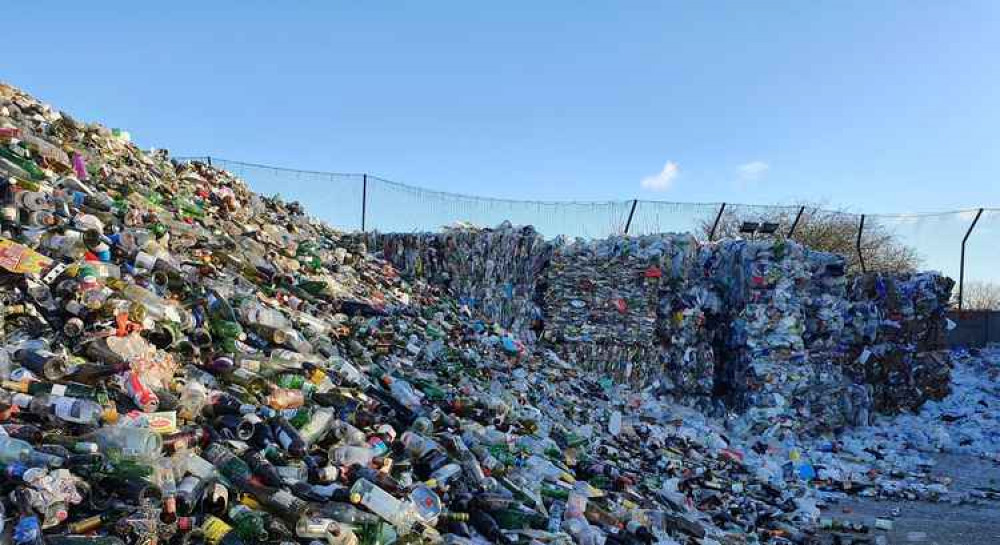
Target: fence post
715 224
791 230
628 223
961 265
861 258
364 200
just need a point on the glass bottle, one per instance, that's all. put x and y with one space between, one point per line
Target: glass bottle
16 450
68 409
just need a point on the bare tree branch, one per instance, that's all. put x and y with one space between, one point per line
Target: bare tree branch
979 295
830 231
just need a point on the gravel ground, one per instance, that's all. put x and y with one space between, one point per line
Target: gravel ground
933 523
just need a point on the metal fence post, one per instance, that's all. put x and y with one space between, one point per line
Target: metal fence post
628 223
861 258
791 230
364 200
715 224
961 265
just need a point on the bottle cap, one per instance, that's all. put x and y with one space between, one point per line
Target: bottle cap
110 415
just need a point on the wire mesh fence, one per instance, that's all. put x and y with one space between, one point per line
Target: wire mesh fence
875 241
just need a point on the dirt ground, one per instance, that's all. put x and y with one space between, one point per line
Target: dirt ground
931 523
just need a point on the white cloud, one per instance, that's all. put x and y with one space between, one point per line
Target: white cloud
753 171
663 180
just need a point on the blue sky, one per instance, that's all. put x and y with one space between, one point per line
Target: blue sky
870 106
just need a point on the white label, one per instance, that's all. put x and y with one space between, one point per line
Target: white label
188 485
58 389
54 273
63 407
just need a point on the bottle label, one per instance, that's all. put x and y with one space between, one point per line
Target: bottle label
215 529
250 365
188 485
65 408
58 389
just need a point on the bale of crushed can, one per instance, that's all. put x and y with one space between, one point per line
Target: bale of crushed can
494 270
601 301
897 338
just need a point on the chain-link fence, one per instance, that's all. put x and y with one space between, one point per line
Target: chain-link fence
875 241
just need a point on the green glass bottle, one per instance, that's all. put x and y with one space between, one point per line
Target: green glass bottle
40 388
129 469
24 163
516 519
431 391
249 524
555 492
291 380
377 533
301 418
228 464
312 287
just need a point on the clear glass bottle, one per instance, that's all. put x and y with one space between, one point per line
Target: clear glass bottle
16 450
319 425
129 442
